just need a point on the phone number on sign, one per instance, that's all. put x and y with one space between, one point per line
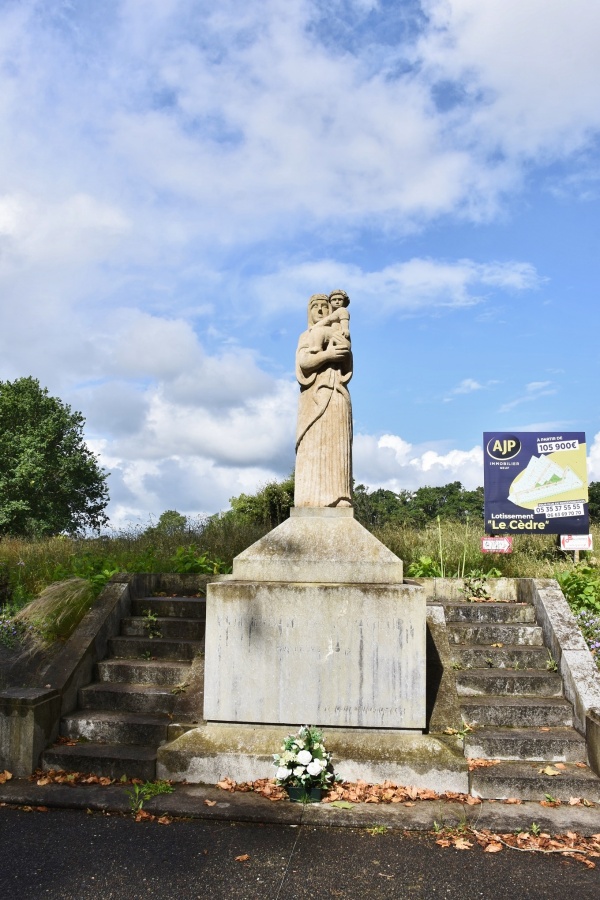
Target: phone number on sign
558 510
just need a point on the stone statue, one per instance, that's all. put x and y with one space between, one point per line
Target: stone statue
324 435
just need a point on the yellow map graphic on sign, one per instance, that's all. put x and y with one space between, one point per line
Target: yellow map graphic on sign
559 476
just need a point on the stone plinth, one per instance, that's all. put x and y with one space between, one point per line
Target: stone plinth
325 545
244 753
349 655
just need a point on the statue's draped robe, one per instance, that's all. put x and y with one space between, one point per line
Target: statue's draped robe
324 436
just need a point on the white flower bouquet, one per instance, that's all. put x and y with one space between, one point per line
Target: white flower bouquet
303 761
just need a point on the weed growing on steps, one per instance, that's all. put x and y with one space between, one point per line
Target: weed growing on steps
151 625
140 793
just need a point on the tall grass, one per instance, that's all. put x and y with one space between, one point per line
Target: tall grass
28 566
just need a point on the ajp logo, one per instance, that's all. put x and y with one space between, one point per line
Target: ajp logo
503 446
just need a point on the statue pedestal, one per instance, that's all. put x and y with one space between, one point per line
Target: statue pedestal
316 627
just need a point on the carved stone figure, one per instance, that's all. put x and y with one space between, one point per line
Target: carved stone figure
324 434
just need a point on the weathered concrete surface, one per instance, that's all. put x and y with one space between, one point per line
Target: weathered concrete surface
324 545
593 739
189 801
332 654
580 675
244 753
28 721
443 709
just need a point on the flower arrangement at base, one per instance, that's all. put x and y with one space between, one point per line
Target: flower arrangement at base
303 762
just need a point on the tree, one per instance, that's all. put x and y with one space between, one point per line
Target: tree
169 523
50 482
269 506
417 508
594 501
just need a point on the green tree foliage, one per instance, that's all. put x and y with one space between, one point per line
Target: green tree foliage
50 482
594 501
417 508
269 506
170 523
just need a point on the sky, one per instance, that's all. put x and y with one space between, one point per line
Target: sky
177 177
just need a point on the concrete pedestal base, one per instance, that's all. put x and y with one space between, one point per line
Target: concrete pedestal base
244 753
319 654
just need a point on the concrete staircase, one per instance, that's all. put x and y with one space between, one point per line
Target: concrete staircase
513 701
147 691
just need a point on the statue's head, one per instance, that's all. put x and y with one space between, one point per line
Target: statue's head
339 298
318 308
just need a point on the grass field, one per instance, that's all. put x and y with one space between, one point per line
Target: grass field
452 549
28 566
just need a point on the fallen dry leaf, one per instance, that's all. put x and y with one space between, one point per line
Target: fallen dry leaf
514 800
243 858
5 776
559 766
143 816
41 782
493 847
549 770
462 844
165 820
210 802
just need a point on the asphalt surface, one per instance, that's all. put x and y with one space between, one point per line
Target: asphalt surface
73 854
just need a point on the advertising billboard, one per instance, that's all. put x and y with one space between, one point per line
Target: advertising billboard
535 483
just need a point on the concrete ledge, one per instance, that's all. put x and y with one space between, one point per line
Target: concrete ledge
189 801
580 675
28 721
592 734
245 753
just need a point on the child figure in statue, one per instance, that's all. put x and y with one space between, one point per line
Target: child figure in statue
334 328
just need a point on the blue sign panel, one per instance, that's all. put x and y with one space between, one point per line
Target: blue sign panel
535 483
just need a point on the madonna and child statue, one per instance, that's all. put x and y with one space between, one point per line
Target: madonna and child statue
315 623
324 434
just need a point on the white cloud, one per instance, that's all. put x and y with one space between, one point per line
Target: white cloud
419 284
467 386
594 459
534 391
393 463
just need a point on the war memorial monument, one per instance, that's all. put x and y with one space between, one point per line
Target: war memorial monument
315 625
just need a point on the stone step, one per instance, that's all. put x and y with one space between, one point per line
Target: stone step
170 628
109 760
512 613
512 712
105 727
180 607
555 744
141 698
524 780
142 671
153 648
509 656
487 682
459 633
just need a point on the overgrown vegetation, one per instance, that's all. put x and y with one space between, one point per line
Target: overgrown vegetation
445 541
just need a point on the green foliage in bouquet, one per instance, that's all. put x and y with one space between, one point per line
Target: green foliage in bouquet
303 761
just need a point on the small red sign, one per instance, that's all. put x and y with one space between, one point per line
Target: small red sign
576 542
497 544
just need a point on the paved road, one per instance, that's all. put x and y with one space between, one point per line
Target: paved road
66 854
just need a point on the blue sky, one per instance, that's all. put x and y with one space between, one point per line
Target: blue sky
178 176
